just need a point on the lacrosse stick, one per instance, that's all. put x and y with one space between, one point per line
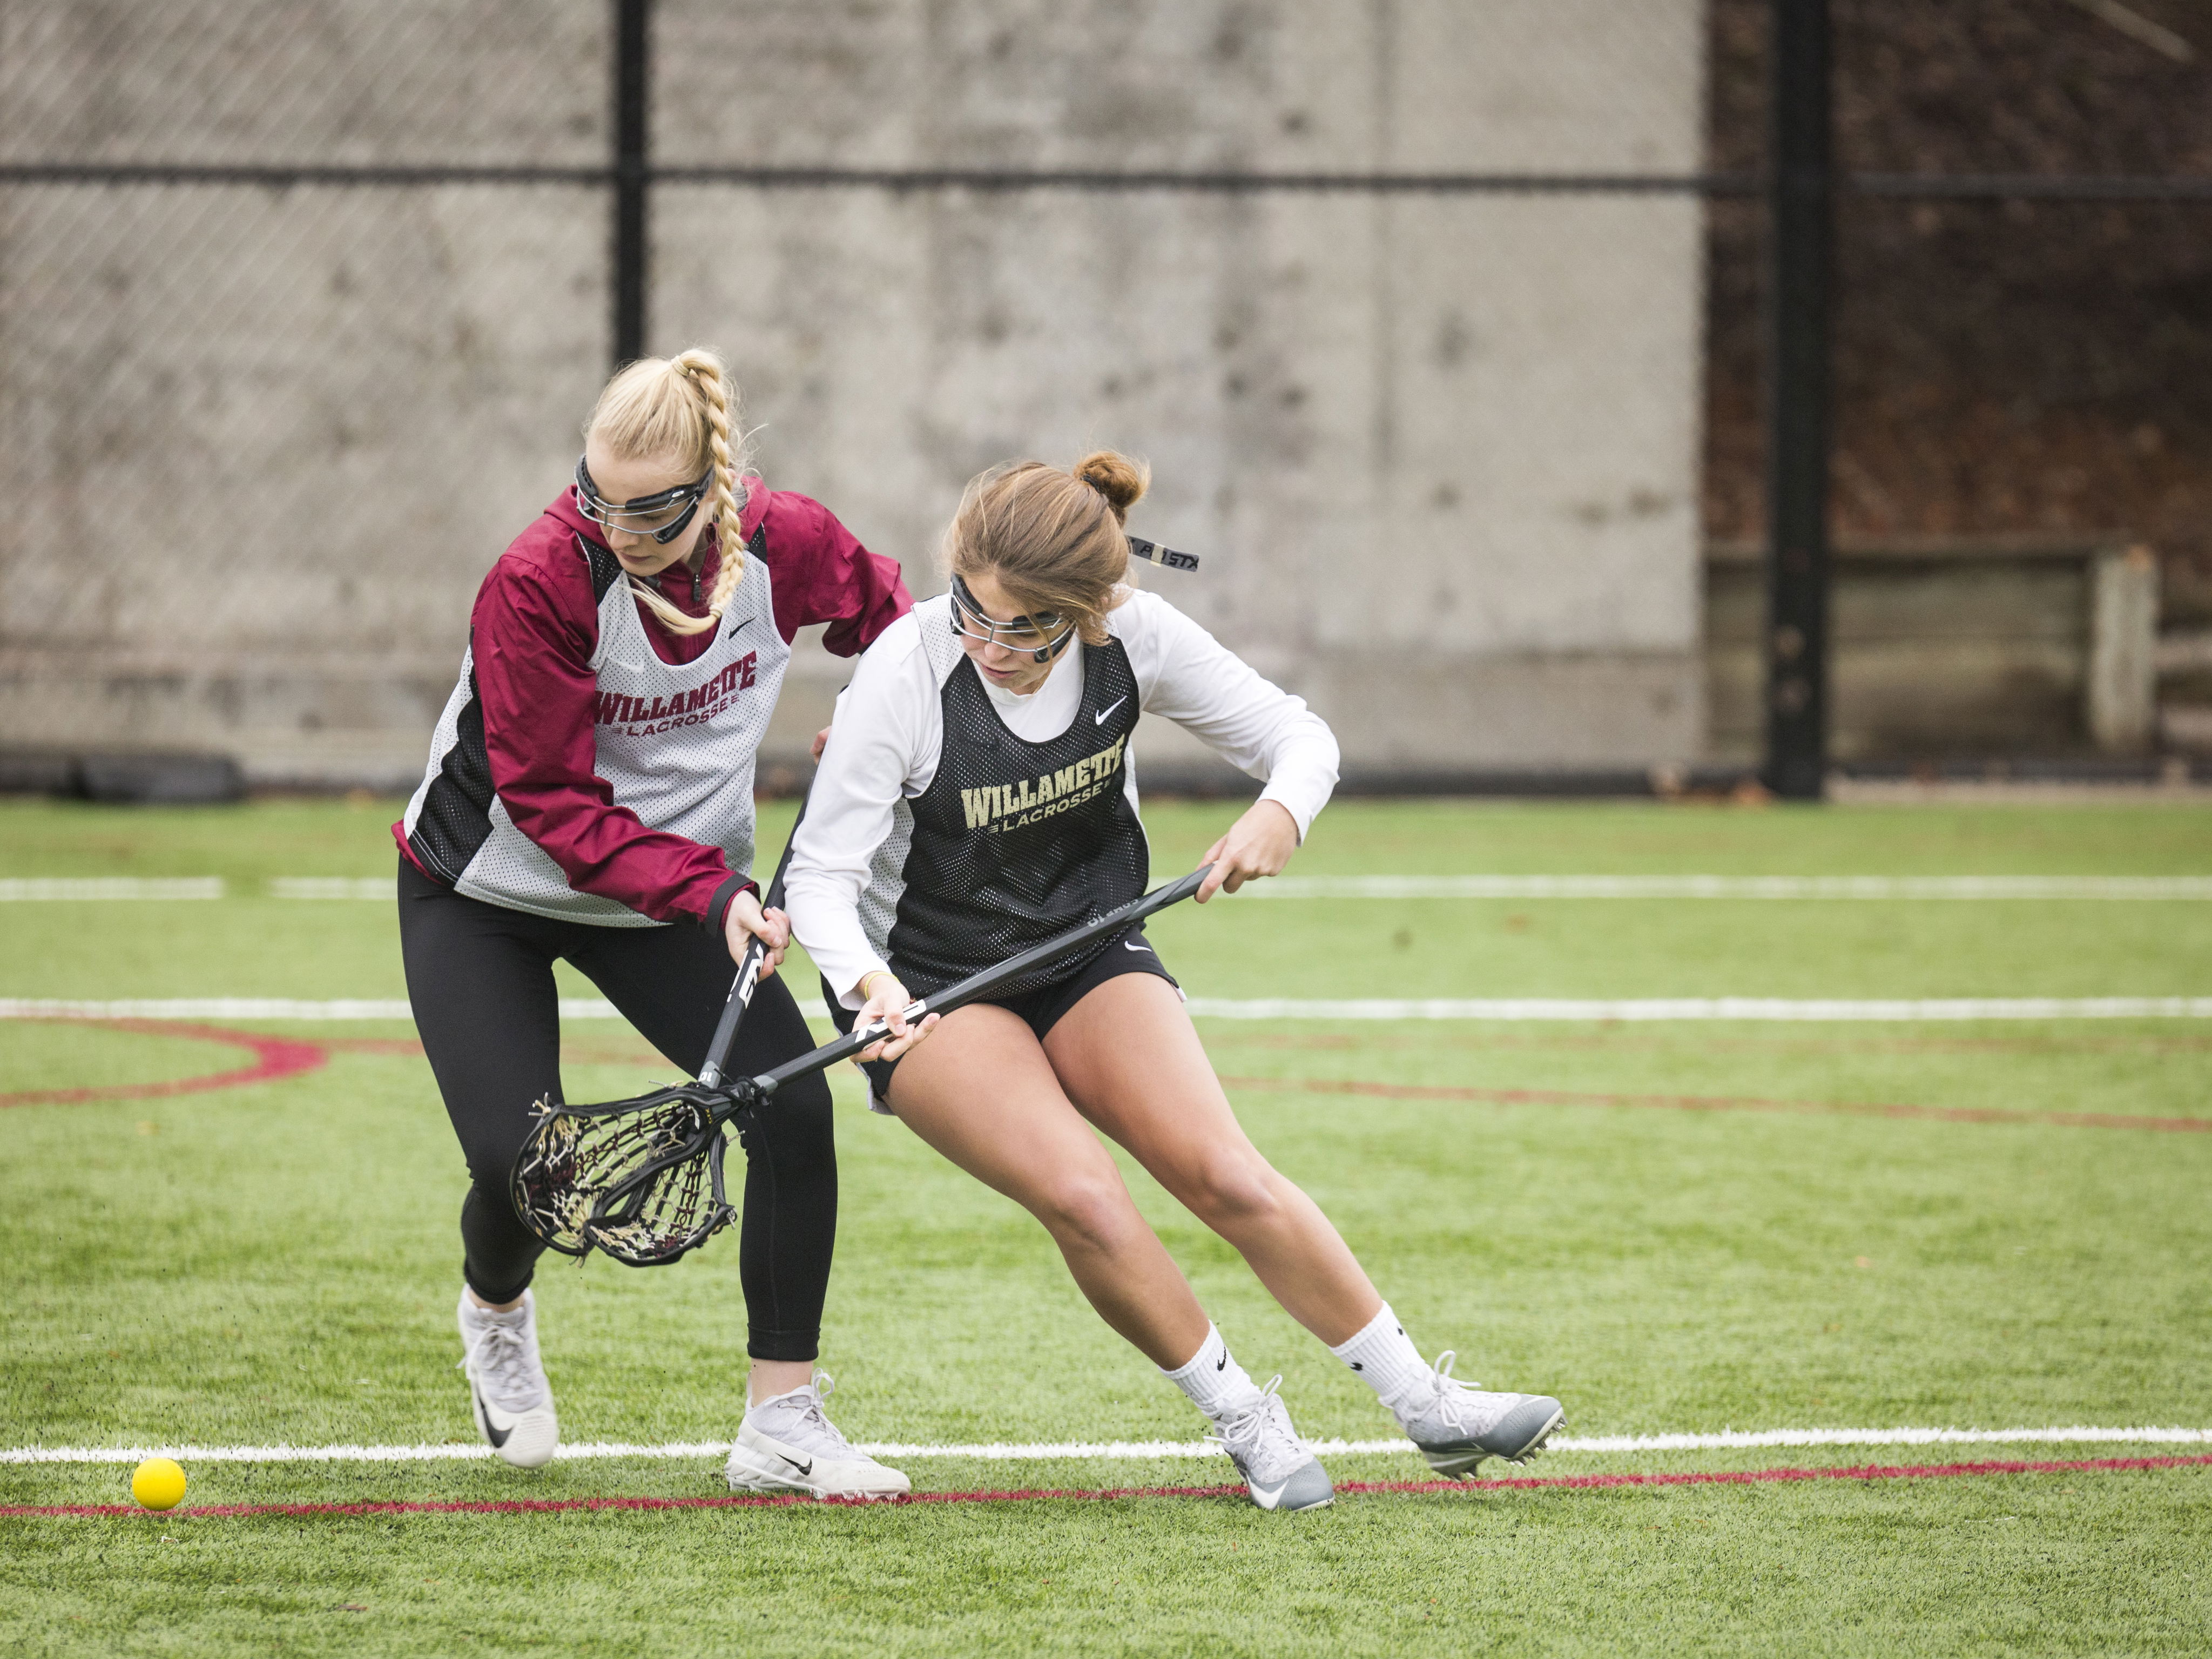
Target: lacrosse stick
583 1178
641 1180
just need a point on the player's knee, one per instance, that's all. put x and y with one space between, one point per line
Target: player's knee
1229 1189
802 1100
1089 1209
491 1188
797 1128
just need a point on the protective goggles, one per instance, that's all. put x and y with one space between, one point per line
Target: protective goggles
1044 635
662 516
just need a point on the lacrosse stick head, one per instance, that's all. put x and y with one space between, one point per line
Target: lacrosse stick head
638 1180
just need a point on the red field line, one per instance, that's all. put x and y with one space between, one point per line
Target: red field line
275 1057
1721 1103
1035 1494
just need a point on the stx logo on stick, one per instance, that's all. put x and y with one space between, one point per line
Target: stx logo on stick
1042 796
685 708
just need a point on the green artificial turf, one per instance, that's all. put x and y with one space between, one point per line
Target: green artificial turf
1674 1227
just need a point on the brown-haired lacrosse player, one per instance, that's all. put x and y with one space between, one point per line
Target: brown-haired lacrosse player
977 797
589 798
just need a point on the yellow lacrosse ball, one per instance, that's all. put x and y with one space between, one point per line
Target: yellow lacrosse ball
158 1484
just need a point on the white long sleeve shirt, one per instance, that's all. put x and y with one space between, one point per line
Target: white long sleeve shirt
889 732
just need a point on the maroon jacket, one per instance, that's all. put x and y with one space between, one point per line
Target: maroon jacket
531 634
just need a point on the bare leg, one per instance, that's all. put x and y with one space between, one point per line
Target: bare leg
1127 1056
1020 1135
767 1378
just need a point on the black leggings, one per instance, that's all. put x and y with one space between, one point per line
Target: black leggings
481 979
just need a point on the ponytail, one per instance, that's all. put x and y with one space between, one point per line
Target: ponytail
1052 537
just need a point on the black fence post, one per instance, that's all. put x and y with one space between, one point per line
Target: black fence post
633 132
1800 231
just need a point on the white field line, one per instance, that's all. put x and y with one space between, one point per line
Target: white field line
378 888
1504 1009
41 888
1709 1008
2138 888
1125 1450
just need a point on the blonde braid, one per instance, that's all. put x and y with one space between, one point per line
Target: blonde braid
680 407
676 621
705 371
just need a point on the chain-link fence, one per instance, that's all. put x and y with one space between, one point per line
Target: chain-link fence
279 378
1442 324
2022 332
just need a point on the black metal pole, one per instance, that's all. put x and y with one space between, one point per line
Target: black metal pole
1801 232
633 131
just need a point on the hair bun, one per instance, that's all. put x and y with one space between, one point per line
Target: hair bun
1115 476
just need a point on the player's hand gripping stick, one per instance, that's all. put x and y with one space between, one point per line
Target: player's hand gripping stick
748 979
641 1180
978 985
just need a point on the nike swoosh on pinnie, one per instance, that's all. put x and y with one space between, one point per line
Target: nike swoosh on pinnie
1099 719
1146 949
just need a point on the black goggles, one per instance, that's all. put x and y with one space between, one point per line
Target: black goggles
661 516
1035 634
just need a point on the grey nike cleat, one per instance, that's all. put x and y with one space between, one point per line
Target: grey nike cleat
514 1402
787 1444
1456 1426
1279 1471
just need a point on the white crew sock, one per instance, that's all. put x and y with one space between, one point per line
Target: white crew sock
1216 1384
1385 1358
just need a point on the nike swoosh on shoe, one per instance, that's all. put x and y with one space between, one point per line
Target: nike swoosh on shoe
1305 1479
497 1435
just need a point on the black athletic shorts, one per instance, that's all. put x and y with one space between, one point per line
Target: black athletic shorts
1131 952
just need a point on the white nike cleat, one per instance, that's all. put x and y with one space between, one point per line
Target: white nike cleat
1279 1471
1456 1426
514 1401
787 1444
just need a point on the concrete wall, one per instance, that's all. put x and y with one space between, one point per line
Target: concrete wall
1942 649
261 443
1437 453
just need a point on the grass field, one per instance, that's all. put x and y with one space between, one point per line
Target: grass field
1678 1228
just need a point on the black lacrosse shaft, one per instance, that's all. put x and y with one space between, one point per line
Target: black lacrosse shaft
977 985
748 979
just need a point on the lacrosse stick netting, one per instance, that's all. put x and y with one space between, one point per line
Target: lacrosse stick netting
631 1180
